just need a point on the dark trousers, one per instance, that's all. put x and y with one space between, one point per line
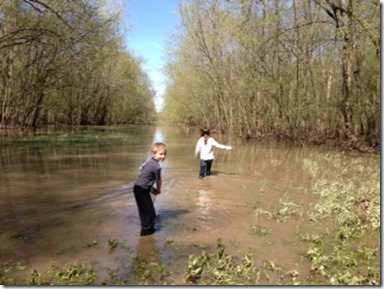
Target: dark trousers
205 168
146 210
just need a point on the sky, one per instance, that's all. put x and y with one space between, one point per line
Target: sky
152 22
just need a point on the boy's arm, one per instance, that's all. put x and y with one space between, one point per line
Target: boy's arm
158 181
158 186
143 164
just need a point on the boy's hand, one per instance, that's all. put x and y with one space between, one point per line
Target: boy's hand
229 148
154 191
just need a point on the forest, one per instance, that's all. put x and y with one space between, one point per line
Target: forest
300 69
64 63
303 70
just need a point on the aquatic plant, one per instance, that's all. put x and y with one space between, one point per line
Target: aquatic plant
259 231
113 243
286 209
219 268
77 273
353 206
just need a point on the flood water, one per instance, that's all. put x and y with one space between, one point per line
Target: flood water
64 204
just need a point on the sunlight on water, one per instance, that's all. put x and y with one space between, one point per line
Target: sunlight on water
159 135
204 205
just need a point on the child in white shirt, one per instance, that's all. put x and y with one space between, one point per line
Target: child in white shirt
204 148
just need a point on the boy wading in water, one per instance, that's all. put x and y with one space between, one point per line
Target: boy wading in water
150 173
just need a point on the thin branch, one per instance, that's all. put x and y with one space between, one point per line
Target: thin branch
48 8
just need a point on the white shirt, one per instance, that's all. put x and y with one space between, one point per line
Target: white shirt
206 150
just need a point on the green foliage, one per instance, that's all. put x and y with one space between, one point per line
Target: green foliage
147 272
259 231
267 68
77 274
71 274
311 166
353 206
286 210
219 268
113 243
67 66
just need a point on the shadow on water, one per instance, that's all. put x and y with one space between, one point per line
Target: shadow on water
164 214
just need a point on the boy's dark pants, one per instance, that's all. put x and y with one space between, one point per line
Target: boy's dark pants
205 167
146 210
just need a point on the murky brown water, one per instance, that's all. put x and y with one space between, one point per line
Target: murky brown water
55 201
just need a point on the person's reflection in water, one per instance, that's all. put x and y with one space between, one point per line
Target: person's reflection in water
146 266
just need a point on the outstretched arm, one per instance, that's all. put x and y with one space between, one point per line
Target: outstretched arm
221 146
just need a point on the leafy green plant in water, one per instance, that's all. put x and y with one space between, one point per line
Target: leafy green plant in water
286 209
353 206
311 238
219 268
113 243
318 260
259 231
311 166
260 212
275 163
70 274
77 273
6 281
149 272
341 202
346 277
35 278
270 265
92 244
342 262
294 275
18 266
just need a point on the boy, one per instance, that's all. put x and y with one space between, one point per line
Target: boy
150 172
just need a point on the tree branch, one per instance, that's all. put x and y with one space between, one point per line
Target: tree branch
48 8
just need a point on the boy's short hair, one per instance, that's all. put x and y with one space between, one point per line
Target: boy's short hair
158 146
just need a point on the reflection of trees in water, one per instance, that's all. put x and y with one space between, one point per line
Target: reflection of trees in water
27 159
256 158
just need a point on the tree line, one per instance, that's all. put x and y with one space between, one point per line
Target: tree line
300 69
65 63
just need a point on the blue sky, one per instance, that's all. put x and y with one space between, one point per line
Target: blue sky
152 22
